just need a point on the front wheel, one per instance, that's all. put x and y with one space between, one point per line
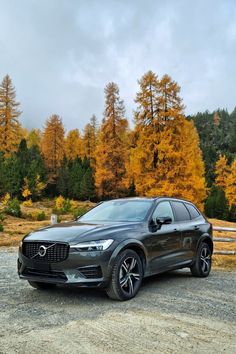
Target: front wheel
202 264
126 276
41 286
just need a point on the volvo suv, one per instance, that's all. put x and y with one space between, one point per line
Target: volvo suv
118 243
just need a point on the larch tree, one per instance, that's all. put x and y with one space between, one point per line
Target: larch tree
34 138
10 129
167 158
73 145
145 138
158 104
222 171
111 152
90 138
180 169
230 190
52 144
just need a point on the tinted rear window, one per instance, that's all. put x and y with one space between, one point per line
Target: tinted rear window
181 213
194 213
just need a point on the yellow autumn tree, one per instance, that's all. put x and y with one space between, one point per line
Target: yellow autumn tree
52 144
10 129
230 190
111 151
90 139
180 168
73 144
222 171
34 138
145 138
166 159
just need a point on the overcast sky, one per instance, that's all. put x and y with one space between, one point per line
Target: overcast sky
61 53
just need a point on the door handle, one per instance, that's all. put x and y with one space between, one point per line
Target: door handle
196 227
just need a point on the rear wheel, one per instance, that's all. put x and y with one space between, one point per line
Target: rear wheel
202 265
41 286
126 276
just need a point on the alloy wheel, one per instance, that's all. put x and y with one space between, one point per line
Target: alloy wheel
129 275
205 259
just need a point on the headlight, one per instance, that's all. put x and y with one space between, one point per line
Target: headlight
93 245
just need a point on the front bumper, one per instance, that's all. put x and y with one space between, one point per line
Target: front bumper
85 269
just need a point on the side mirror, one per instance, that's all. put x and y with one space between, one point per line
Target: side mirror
163 220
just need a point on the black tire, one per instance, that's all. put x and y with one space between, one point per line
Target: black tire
41 286
202 265
124 284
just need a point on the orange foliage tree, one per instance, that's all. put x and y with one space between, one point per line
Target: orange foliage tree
34 138
52 143
230 190
10 129
90 138
73 145
222 171
111 149
166 159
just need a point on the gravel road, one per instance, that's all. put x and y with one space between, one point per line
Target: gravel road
173 313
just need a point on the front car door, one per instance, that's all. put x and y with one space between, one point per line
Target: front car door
163 244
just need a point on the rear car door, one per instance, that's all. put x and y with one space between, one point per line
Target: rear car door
195 226
163 244
187 228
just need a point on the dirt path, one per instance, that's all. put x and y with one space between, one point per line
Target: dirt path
173 313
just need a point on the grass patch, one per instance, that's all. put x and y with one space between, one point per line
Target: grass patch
226 262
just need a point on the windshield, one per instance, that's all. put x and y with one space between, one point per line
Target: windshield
118 210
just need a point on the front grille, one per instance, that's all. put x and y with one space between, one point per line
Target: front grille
55 252
46 274
91 272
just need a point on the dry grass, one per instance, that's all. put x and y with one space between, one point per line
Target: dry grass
16 228
224 262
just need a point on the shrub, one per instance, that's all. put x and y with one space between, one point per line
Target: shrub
79 211
28 203
2 217
59 202
38 215
13 208
62 205
41 216
1 227
6 199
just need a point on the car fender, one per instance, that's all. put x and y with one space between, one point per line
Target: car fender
204 237
122 246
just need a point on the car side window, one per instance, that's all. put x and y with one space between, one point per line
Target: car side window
194 213
181 212
163 209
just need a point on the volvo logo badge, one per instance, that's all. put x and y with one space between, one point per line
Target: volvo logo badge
42 251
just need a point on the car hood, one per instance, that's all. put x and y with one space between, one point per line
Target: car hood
73 232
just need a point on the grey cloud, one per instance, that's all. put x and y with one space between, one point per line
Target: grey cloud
60 54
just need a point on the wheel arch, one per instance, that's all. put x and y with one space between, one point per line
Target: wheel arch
207 239
133 245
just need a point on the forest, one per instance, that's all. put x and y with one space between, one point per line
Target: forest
164 153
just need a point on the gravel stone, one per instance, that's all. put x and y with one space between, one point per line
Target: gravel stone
172 313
